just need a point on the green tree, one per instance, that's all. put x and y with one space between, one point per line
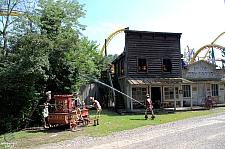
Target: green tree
112 57
24 80
47 52
10 10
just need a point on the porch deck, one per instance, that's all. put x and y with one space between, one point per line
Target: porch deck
163 110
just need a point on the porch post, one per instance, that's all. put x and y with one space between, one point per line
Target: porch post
181 97
130 100
174 98
191 97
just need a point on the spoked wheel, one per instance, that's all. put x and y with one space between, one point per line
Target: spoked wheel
87 120
73 124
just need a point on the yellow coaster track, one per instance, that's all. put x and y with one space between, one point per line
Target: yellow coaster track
4 12
110 38
208 46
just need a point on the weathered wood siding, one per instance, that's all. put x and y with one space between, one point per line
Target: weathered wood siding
154 46
89 90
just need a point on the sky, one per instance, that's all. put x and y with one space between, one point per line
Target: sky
199 21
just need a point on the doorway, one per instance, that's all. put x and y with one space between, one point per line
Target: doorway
156 96
201 93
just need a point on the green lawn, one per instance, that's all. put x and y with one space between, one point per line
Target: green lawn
109 123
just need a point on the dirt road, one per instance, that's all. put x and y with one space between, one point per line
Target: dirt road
205 132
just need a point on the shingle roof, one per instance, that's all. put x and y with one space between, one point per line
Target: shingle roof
140 81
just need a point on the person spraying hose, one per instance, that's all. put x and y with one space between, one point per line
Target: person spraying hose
96 105
149 107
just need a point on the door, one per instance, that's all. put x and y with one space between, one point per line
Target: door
201 93
156 96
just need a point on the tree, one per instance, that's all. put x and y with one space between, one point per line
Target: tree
24 80
112 57
45 54
9 10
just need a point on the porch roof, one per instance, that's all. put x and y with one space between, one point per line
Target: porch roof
140 81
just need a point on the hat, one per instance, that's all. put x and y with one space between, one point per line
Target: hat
48 92
147 95
75 93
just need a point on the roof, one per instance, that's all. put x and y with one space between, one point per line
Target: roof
152 32
141 81
205 79
201 61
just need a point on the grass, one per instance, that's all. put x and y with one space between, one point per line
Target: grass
109 123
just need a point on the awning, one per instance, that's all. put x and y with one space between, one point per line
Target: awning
140 81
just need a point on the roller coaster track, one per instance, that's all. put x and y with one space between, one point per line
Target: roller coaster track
208 46
110 38
4 12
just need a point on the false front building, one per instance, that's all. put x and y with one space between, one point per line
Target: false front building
150 64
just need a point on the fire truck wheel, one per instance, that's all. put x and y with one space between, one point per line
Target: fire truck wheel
73 124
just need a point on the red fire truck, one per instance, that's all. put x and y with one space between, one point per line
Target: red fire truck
64 114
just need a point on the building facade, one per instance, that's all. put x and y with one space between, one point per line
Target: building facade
207 81
151 64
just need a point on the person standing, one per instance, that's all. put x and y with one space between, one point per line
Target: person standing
45 114
149 107
76 103
48 93
96 105
209 102
45 111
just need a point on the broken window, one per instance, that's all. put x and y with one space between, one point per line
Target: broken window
167 65
122 67
142 65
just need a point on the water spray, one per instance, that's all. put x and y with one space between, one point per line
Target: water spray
94 80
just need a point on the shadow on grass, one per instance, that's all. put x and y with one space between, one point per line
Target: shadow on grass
57 129
138 119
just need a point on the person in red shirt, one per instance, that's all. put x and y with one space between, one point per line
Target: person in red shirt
209 102
149 107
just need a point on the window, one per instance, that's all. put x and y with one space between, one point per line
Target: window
139 93
119 71
186 90
122 67
167 65
169 93
142 65
214 89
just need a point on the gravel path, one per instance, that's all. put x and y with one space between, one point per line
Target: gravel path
204 132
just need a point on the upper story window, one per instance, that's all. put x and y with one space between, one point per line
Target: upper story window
122 67
166 64
119 69
142 64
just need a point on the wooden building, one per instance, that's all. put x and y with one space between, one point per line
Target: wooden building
150 63
207 81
